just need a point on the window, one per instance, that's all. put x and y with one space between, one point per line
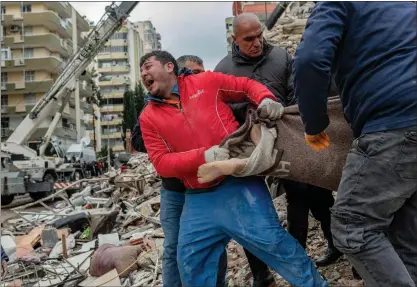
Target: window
4 78
119 36
28 53
28 30
29 99
26 8
5 54
29 76
4 101
5 123
3 10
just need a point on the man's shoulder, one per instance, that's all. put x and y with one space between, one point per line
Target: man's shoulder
224 65
278 52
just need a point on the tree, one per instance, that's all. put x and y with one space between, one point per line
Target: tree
139 98
102 154
129 111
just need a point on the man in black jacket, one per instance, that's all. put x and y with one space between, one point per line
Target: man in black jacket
172 201
254 58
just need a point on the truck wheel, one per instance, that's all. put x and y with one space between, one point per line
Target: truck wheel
6 199
39 195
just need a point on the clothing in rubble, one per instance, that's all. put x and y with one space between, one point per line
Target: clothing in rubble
172 201
201 122
371 48
274 69
4 256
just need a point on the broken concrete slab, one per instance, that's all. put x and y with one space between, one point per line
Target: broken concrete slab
108 239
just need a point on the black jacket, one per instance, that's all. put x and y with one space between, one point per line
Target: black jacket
272 69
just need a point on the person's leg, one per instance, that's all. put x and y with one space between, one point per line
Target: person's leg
249 217
201 241
262 277
403 235
171 208
298 207
378 181
321 200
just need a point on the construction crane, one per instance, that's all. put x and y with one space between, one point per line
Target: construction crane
24 160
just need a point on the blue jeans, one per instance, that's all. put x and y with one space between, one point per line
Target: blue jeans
171 208
242 209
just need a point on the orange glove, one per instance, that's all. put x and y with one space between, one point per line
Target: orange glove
318 142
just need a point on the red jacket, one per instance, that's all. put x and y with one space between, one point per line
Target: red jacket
176 137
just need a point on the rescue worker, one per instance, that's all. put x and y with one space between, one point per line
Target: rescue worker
182 126
172 201
371 49
252 56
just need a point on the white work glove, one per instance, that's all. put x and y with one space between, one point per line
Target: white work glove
216 153
270 109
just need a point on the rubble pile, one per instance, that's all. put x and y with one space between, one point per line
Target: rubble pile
290 27
109 234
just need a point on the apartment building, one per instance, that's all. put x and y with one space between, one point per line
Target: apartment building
118 67
36 43
151 39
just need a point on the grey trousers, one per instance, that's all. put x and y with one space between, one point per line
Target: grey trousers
374 218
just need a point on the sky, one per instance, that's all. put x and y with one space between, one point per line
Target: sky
193 28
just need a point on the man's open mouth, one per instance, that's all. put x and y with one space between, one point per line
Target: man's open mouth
148 83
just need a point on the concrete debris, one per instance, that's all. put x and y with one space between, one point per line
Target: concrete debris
290 27
114 238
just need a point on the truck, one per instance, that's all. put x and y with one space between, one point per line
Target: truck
35 171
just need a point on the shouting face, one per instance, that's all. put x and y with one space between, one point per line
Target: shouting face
248 36
156 77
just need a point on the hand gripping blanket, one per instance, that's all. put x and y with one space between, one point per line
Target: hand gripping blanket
282 151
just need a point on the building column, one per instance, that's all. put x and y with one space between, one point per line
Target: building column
76 82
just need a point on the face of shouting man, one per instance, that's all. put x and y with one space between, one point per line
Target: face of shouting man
248 35
158 73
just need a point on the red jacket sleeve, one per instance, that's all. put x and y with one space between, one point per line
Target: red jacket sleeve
167 163
239 89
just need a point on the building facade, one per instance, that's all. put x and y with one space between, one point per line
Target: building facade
151 39
117 65
36 42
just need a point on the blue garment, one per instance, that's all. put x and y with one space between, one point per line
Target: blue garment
371 48
4 256
171 208
242 209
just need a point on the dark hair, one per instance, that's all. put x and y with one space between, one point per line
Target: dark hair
183 59
161 56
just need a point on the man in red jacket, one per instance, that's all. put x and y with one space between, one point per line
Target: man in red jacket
186 119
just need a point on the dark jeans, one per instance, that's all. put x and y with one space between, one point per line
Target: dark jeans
374 219
301 198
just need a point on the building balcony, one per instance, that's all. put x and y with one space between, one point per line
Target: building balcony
115 122
114 82
11 19
116 42
23 87
47 40
48 64
113 96
113 108
114 69
118 148
50 20
19 108
117 135
62 8
106 56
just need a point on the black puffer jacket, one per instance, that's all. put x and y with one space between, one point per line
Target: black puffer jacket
273 69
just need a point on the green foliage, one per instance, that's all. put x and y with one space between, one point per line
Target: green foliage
129 111
102 154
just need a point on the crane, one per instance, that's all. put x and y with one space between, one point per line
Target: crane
25 159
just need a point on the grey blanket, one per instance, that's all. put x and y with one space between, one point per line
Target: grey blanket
283 152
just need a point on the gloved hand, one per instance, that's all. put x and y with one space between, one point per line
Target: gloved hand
216 153
318 142
270 109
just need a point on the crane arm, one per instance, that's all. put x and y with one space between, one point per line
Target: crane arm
105 28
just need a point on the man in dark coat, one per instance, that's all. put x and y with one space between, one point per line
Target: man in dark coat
254 58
